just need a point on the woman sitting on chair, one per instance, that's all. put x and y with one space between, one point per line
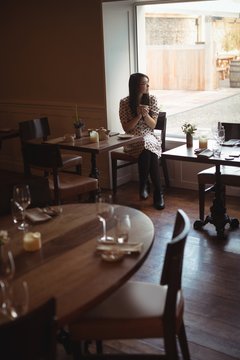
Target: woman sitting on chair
138 114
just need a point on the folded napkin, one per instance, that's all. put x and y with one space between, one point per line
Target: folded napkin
232 142
205 153
124 248
56 140
5 130
37 215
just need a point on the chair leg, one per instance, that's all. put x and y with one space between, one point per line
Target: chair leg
170 343
114 175
77 351
201 200
99 346
78 169
182 337
165 172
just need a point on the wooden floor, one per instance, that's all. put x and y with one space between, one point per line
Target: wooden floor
211 278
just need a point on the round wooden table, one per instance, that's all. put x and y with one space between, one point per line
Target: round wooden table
67 266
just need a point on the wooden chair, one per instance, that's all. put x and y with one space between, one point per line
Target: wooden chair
126 159
39 129
32 336
230 175
63 186
39 190
143 310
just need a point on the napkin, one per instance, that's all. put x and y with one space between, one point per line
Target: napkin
56 140
37 215
125 247
5 130
205 153
232 142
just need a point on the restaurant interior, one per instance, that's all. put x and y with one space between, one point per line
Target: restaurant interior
87 269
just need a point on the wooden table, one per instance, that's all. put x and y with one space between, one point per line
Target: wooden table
84 145
218 217
68 267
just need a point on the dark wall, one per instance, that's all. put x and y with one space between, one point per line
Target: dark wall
52 51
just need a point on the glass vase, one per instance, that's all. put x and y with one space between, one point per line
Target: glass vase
189 140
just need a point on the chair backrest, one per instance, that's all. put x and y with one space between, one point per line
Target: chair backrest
42 155
32 336
232 130
162 125
47 156
39 190
34 129
173 262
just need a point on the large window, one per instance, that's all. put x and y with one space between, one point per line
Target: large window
190 53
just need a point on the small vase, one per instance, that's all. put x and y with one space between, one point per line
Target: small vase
189 140
78 133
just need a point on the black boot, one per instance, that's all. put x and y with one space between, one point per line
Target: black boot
143 192
158 201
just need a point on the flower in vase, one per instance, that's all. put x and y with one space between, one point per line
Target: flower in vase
78 124
189 128
3 237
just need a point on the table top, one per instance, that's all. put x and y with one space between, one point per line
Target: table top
67 266
83 144
187 154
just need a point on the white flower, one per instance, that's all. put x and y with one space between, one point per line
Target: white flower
3 237
189 128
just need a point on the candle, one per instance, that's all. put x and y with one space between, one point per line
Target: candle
32 241
203 142
94 137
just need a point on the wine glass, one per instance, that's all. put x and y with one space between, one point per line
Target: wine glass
123 226
22 198
221 135
15 298
105 211
7 264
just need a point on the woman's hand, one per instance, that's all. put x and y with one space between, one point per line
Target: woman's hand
143 110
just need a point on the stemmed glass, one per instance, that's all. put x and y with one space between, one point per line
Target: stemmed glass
7 264
123 227
105 211
15 298
7 271
221 135
22 198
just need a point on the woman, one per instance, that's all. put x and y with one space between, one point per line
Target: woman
138 114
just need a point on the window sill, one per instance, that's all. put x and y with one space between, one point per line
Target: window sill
172 142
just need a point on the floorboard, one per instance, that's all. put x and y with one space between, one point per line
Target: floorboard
211 278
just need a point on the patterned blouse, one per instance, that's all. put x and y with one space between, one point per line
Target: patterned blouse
150 141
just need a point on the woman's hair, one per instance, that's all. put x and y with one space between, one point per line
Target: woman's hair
134 84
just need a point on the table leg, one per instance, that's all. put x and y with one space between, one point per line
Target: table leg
218 216
94 170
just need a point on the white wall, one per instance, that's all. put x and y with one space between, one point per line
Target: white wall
119 45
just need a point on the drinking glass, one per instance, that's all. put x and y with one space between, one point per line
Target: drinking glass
22 198
217 149
17 214
15 299
221 135
123 226
7 264
105 211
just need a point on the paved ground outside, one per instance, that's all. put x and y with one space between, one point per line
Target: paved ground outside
203 108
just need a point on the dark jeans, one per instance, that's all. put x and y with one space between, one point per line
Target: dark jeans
148 164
